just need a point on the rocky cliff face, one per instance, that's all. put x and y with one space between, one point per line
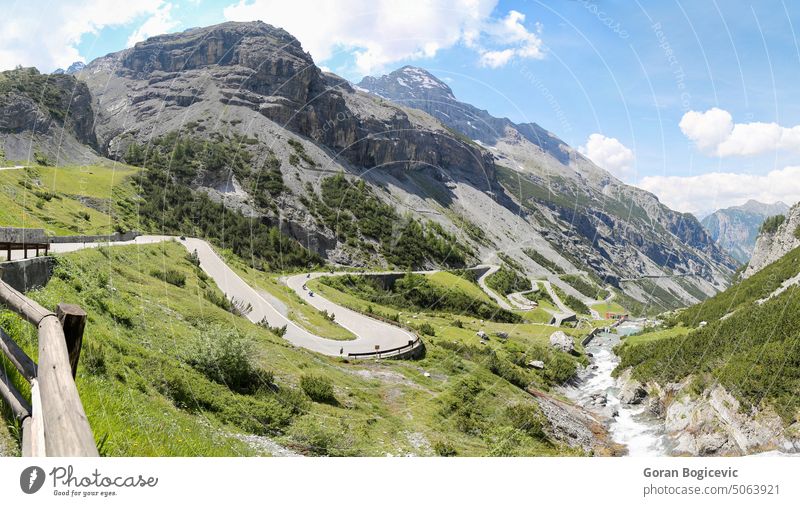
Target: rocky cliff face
39 112
620 232
710 423
263 68
771 246
735 229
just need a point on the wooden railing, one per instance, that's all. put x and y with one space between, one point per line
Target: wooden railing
54 423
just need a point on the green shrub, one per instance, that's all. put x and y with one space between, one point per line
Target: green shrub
427 329
444 449
300 151
576 304
225 356
358 217
460 404
588 289
171 276
539 295
41 159
218 299
508 371
318 388
560 368
278 331
771 224
527 418
193 258
320 438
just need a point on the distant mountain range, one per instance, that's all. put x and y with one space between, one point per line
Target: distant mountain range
735 229
75 67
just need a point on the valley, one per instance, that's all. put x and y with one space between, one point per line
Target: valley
322 268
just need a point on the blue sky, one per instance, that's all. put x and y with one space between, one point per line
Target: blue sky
630 83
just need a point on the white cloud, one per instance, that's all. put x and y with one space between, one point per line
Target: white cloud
159 22
48 37
383 32
510 31
610 154
715 133
717 190
495 59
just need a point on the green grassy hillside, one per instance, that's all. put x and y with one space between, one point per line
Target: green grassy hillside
166 371
753 352
96 199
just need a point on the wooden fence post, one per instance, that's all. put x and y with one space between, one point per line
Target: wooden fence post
73 321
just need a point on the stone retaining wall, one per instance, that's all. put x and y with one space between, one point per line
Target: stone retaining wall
24 275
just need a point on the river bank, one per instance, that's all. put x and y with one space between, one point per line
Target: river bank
631 426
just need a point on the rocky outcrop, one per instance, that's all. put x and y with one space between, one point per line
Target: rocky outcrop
713 424
631 391
735 229
562 342
576 427
47 114
771 246
40 103
19 113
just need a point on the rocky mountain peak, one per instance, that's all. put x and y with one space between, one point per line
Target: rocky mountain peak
762 209
408 83
75 67
252 44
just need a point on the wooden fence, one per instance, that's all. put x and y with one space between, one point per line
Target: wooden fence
54 423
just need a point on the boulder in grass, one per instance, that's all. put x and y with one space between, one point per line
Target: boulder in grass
536 364
562 341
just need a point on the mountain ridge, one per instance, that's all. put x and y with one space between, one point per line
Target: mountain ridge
538 158
736 228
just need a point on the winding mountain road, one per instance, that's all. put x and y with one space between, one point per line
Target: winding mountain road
491 293
563 312
371 334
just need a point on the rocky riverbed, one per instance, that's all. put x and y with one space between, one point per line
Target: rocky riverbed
653 419
629 424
